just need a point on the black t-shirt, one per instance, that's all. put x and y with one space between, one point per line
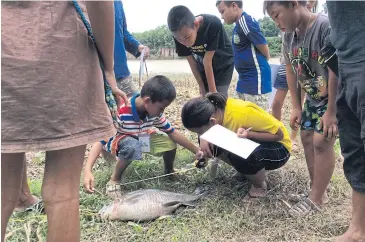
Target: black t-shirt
211 36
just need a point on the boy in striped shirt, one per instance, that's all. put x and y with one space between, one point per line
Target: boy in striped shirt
144 129
251 54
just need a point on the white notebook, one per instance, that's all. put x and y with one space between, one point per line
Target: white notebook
228 140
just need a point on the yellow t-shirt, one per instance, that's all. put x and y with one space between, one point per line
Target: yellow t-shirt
239 113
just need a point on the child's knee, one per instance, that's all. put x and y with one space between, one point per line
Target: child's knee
129 149
306 137
320 144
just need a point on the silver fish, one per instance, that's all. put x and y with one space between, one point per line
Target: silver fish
146 205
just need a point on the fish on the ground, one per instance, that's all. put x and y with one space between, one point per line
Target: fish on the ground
147 204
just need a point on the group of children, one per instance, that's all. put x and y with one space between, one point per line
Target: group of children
212 57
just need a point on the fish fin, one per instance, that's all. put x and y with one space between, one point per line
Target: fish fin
188 204
172 204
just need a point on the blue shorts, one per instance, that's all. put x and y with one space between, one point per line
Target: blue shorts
280 81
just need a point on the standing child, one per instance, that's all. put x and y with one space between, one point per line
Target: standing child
204 42
251 54
305 35
200 114
138 134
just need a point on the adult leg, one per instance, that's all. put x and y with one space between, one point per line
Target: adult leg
351 123
60 193
12 166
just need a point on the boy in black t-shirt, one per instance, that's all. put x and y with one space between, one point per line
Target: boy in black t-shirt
205 44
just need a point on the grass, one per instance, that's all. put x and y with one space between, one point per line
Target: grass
221 216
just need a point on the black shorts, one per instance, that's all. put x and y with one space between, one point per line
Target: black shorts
222 78
351 122
268 156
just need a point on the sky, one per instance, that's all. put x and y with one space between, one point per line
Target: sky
144 15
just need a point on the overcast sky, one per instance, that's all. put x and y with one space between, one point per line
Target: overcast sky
148 14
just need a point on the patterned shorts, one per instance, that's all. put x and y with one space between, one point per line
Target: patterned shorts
311 117
261 100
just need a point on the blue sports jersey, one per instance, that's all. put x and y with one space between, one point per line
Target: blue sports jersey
254 73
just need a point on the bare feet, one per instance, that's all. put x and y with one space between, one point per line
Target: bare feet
295 147
255 192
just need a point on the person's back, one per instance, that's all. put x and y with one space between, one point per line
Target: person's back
348 33
53 100
251 53
252 66
348 29
125 42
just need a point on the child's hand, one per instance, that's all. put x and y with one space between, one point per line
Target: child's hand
243 133
295 119
199 155
201 163
328 123
89 182
206 148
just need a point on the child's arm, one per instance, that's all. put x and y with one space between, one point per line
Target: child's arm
251 29
208 67
296 115
328 120
180 139
261 136
264 49
194 69
88 175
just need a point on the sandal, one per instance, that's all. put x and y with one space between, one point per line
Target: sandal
37 207
28 206
113 190
303 208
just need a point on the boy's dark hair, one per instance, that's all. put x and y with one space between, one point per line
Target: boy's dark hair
180 16
159 88
197 111
268 4
229 3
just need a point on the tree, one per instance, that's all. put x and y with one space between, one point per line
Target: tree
268 27
229 29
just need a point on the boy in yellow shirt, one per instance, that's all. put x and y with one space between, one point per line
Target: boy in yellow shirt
248 121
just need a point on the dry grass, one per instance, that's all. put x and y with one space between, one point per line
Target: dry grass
222 216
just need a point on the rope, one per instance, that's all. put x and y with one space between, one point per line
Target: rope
156 177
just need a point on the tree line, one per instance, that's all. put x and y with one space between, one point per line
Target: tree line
161 37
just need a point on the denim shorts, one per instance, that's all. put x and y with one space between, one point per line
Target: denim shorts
351 122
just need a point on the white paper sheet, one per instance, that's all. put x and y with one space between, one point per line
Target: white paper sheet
228 140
